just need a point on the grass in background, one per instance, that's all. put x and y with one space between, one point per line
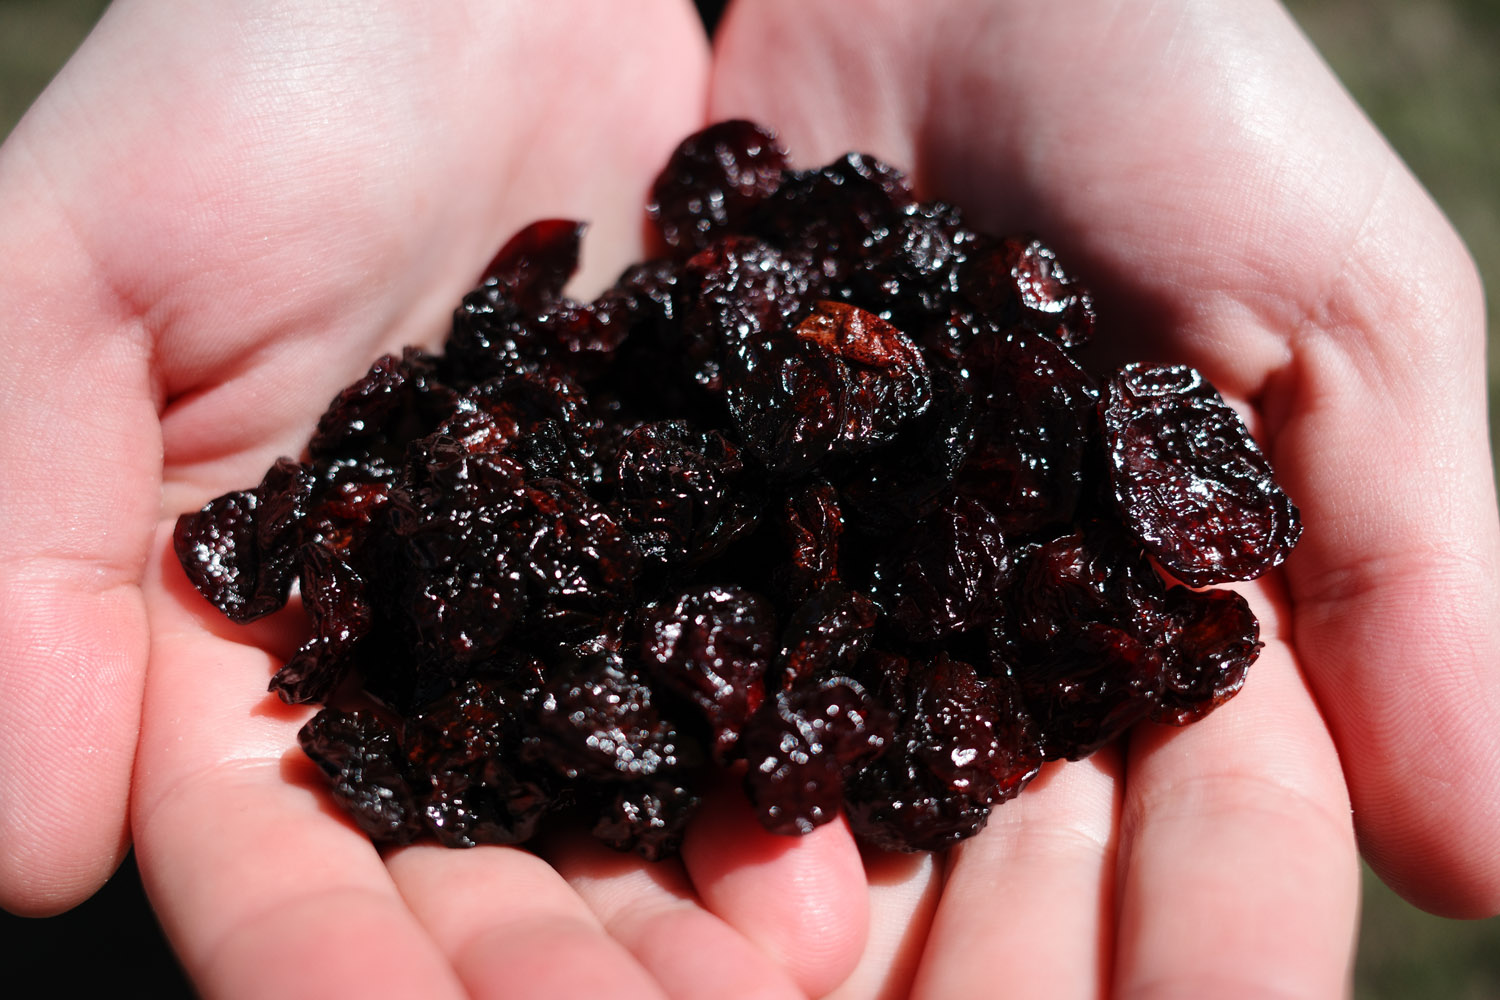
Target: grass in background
36 37
1428 73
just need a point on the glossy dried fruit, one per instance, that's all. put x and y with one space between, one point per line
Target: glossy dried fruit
1019 280
714 181
598 719
826 634
963 743
879 375
648 818
1213 640
825 495
912 276
361 756
786 402
682 492
400 398
517 319
1087 617
800 746
240 550
713 646
463 753
891 487
950 574
813 524
833 218
334 596
1190 481
534 265
1034 425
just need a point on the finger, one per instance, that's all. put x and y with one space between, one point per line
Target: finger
1028 905
827 77
277 897
904 894
512 927
244 855
802 900
1239 869
1396 622
261 887
82 456
651 910
230 231
1199 167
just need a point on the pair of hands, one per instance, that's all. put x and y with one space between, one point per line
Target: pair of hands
218 215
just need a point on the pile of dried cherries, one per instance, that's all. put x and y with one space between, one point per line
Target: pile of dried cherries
822 499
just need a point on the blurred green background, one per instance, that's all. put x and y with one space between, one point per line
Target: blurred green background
1427 72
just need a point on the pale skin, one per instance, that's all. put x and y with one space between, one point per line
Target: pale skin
216 217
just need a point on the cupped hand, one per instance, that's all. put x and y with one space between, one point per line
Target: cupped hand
1200 168
214 219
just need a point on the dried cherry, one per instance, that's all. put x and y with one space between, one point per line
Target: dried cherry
712 645
826 496
1190 481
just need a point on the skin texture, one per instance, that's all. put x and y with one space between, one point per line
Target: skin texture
280 194
1232 210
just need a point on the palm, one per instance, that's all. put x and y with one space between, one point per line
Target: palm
1231 210
256 219
267 213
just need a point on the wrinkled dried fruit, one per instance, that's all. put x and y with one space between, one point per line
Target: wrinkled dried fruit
1189 480
824 497
1018 280
1034 425
713 646
962 744
950 575
714 181
802 745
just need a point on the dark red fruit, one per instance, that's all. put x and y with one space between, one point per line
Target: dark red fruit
1214 639
361 756
463 754
334 597
598 720
738 295
240 550
802 744
785 399
713 182
1088 615
1034 423
648 818
880 376
963 744
825 495
891 487
1019 280
913 274
712 646
834 218
826 634
1189 480
682 492
531 269
951 573
813 524
399 399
